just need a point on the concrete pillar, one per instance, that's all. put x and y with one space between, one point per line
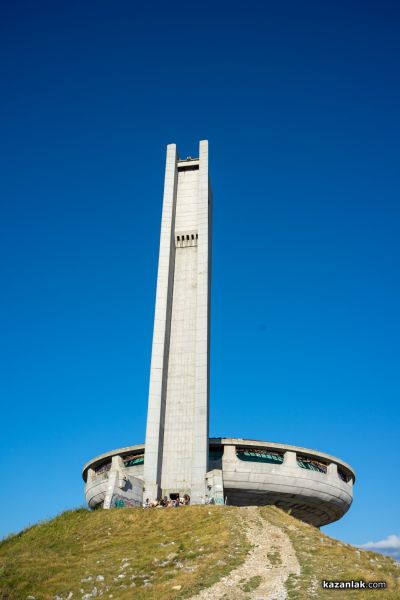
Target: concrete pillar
176 455
290 459
215 486
332 471
229 454
117 463
201 398
161 333
112 483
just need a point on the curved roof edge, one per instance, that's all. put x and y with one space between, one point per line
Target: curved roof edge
310 453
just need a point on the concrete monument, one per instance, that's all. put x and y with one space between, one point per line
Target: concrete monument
179 457
177 421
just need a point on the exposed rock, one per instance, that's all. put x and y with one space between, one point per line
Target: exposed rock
261 535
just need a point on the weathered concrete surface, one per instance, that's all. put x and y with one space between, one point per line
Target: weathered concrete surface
316 498
114 488
177 421
177 444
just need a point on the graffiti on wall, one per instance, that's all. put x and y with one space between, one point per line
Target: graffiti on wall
119 501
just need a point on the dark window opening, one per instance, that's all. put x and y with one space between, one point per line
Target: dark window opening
343 476
189 168
103 468
259 455
311 465
133 459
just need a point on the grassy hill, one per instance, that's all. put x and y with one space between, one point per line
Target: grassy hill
167 554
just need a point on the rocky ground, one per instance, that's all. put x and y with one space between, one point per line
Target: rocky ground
266 568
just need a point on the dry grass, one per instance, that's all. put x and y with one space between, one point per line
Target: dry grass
171 554
128 553
251 584
322 557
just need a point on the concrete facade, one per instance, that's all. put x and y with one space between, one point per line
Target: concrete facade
113 485
317 497
177 421
178 456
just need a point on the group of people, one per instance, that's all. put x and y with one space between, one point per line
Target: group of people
167 502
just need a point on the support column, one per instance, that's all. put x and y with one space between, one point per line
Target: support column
290 459
332 471
161 333
201 405
229 454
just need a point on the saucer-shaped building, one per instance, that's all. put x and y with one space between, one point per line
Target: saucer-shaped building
313 486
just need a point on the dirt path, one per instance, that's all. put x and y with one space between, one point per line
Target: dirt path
263 574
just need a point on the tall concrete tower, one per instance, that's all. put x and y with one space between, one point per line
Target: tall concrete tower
178 409
314 486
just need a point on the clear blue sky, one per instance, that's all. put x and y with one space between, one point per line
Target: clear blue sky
300 103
